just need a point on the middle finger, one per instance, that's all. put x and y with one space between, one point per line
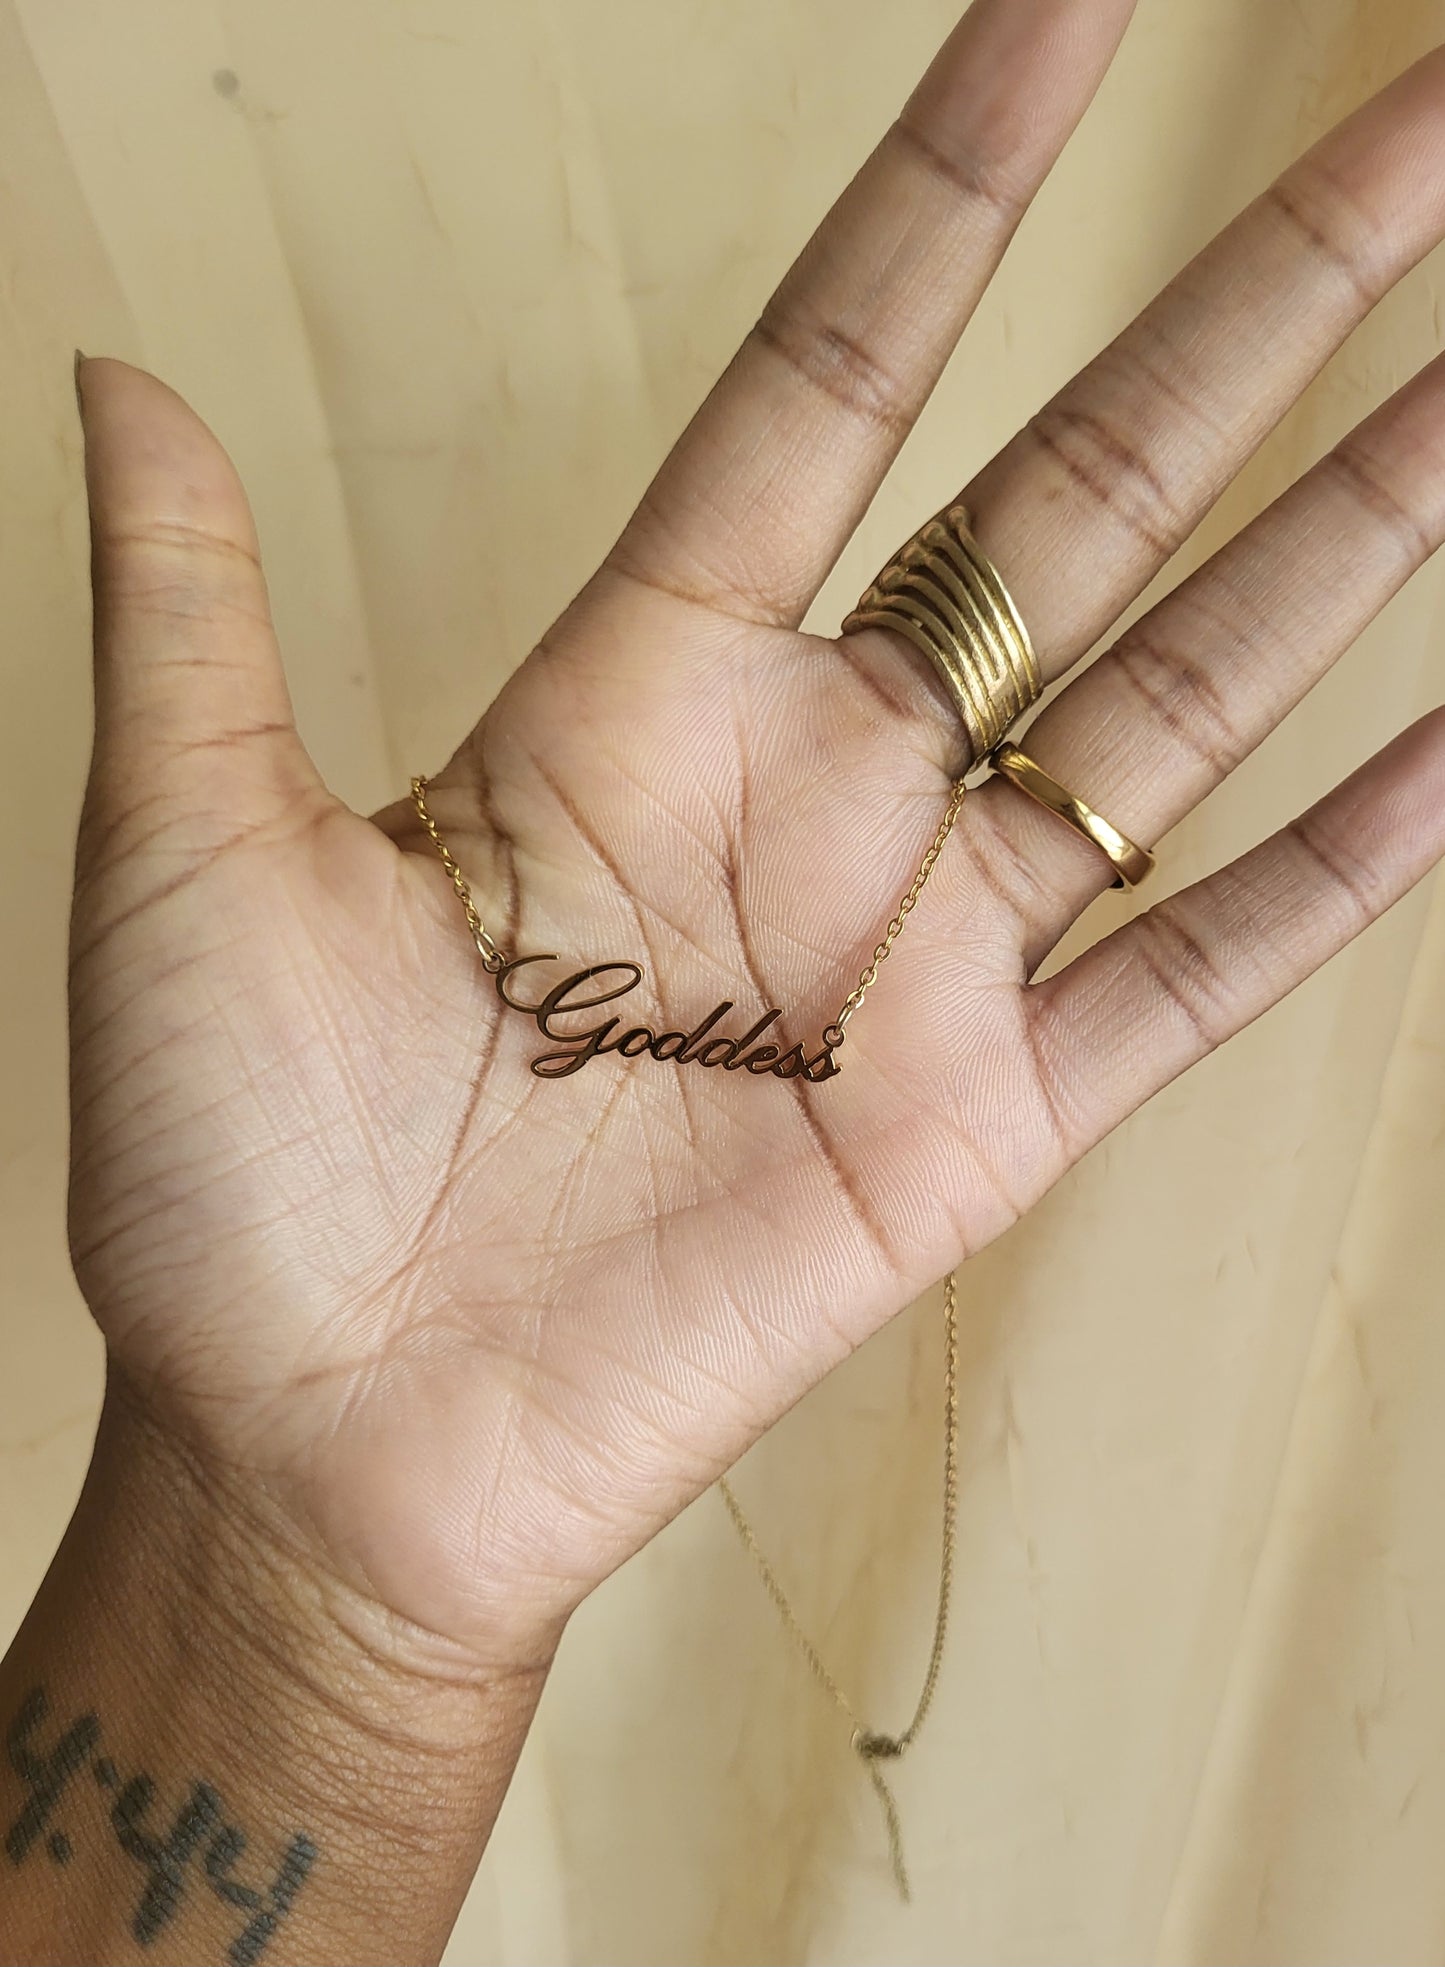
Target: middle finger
1086 505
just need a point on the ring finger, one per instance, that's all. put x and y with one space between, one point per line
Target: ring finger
1156 723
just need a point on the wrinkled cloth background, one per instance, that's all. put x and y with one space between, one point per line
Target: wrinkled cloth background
447 279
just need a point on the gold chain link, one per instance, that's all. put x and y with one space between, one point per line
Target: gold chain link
905 908
491 956
871 1746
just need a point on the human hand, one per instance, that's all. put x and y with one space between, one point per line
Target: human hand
473 1336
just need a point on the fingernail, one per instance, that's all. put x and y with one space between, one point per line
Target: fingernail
80 356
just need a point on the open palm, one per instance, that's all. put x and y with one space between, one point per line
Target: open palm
478 1333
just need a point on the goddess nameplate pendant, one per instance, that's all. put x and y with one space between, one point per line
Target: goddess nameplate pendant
704 1045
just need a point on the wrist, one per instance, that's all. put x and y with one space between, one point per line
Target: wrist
252 1744
238 1577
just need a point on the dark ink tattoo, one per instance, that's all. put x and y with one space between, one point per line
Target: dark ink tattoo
47 1775
165 1861
198 1846
301 1854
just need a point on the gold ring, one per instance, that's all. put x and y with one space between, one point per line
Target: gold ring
1130 862
943 592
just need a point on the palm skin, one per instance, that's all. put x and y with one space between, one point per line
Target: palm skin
337 1232
467 1338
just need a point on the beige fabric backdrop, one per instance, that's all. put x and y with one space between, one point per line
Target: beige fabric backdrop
447 278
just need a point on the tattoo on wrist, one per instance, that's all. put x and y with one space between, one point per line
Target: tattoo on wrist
198 1852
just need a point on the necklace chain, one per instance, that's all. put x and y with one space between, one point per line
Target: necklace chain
872 1747
492 957
905 908
494 960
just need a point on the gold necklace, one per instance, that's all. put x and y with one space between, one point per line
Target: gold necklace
705 1046
871 1746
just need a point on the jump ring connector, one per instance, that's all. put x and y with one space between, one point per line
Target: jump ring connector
874 1747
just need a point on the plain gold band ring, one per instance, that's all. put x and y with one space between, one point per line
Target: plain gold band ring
1130 862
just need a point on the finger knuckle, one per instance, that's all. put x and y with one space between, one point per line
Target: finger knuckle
1348 876
1108 464
1322 218
1368 488
1184 700
967 174
1185 976
839 364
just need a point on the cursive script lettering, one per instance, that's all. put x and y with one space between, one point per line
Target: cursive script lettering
603 983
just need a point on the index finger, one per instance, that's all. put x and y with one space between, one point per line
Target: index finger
767 483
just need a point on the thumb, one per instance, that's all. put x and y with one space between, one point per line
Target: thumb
190 698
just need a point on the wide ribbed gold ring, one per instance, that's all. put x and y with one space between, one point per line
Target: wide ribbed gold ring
943 592
1130 862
